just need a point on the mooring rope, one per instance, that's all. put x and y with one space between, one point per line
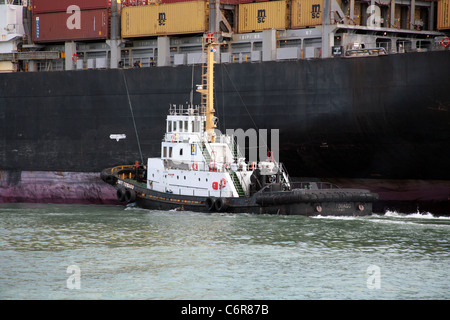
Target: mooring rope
132 116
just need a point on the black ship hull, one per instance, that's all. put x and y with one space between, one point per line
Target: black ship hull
381 122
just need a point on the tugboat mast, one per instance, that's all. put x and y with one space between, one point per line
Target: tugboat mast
207 87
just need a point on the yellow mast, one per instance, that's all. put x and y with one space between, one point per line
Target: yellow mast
207 88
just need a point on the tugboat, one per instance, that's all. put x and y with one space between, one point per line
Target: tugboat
200 170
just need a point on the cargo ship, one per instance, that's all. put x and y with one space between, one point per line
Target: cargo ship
356 92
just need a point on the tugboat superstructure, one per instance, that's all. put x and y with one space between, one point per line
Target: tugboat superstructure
201 169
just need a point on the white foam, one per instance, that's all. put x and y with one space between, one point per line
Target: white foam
419 215
336 217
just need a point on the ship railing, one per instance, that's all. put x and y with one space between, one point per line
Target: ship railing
125 168
125 171
122 167
181 109
370 51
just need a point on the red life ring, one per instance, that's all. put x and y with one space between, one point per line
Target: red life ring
360 207
74 57
445 42
223 183
195 166
174 138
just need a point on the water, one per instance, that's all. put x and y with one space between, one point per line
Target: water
131 253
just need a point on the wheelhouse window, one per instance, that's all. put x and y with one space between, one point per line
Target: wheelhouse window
196 125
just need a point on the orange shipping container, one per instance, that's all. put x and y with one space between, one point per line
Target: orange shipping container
259 16
165 19
306 13
443 19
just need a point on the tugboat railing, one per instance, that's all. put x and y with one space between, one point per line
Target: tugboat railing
119 168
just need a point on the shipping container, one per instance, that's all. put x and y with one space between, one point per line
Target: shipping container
259 16
46 6
62 26
443 18
165 19
357 14
7 66
306 13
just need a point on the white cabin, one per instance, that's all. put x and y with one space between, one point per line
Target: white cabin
190 165
195 161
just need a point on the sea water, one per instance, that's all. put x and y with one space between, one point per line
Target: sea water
115 252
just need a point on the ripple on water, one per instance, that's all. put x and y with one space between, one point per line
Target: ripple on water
142 254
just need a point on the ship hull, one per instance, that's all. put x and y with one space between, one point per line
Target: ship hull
381 120
303 209
306 202
54 187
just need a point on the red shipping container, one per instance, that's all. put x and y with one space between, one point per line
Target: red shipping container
62 26
43 6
